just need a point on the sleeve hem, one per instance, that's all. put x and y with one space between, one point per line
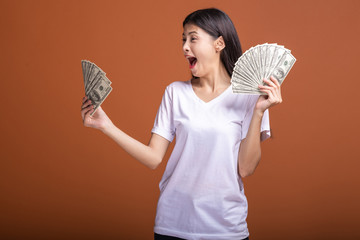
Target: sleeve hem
264 134
163 133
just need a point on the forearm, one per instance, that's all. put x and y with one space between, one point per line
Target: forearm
250 149
141 152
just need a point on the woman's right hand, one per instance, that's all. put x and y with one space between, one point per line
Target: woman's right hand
99 120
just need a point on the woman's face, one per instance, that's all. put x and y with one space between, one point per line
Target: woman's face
199 50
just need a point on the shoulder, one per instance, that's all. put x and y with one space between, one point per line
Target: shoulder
178 85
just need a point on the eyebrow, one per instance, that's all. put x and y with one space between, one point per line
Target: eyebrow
190 33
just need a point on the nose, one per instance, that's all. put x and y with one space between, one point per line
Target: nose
186 47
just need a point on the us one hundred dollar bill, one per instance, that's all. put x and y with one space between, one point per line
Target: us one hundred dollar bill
97 85
259 63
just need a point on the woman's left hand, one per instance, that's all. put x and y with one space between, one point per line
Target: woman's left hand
273 96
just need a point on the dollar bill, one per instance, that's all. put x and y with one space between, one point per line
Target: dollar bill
96 84
283 67
99 93
259 63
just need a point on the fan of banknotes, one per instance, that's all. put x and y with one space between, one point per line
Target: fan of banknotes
97 85
258 63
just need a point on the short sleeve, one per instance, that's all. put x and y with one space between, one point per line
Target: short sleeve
265 123
164 121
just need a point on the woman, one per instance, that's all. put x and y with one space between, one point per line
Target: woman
218 136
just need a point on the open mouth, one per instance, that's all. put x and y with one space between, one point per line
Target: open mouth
192 61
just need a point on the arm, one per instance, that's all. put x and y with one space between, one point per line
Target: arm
250 149
150 155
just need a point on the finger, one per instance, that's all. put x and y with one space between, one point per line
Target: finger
87 114
265 87
86 104
270 83
271 94
271 86
84 99
87 117
277 93
276 90
275 81
84 111
274 97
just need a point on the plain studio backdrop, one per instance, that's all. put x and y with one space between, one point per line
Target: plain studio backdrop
60 180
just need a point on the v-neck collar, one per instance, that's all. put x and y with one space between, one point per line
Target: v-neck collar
212 101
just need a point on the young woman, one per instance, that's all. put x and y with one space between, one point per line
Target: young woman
218 136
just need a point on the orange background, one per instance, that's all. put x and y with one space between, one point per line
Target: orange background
60 180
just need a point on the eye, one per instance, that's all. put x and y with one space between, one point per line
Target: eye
193 39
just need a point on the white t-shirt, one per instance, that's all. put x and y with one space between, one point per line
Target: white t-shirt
201 193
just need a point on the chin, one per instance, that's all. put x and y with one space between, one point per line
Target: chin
194 74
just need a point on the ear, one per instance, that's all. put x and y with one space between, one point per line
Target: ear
219 44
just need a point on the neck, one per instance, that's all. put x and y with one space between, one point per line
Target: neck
215 80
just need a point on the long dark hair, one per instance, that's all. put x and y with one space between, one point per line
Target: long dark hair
217 23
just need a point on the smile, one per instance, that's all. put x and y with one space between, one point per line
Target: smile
192 62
